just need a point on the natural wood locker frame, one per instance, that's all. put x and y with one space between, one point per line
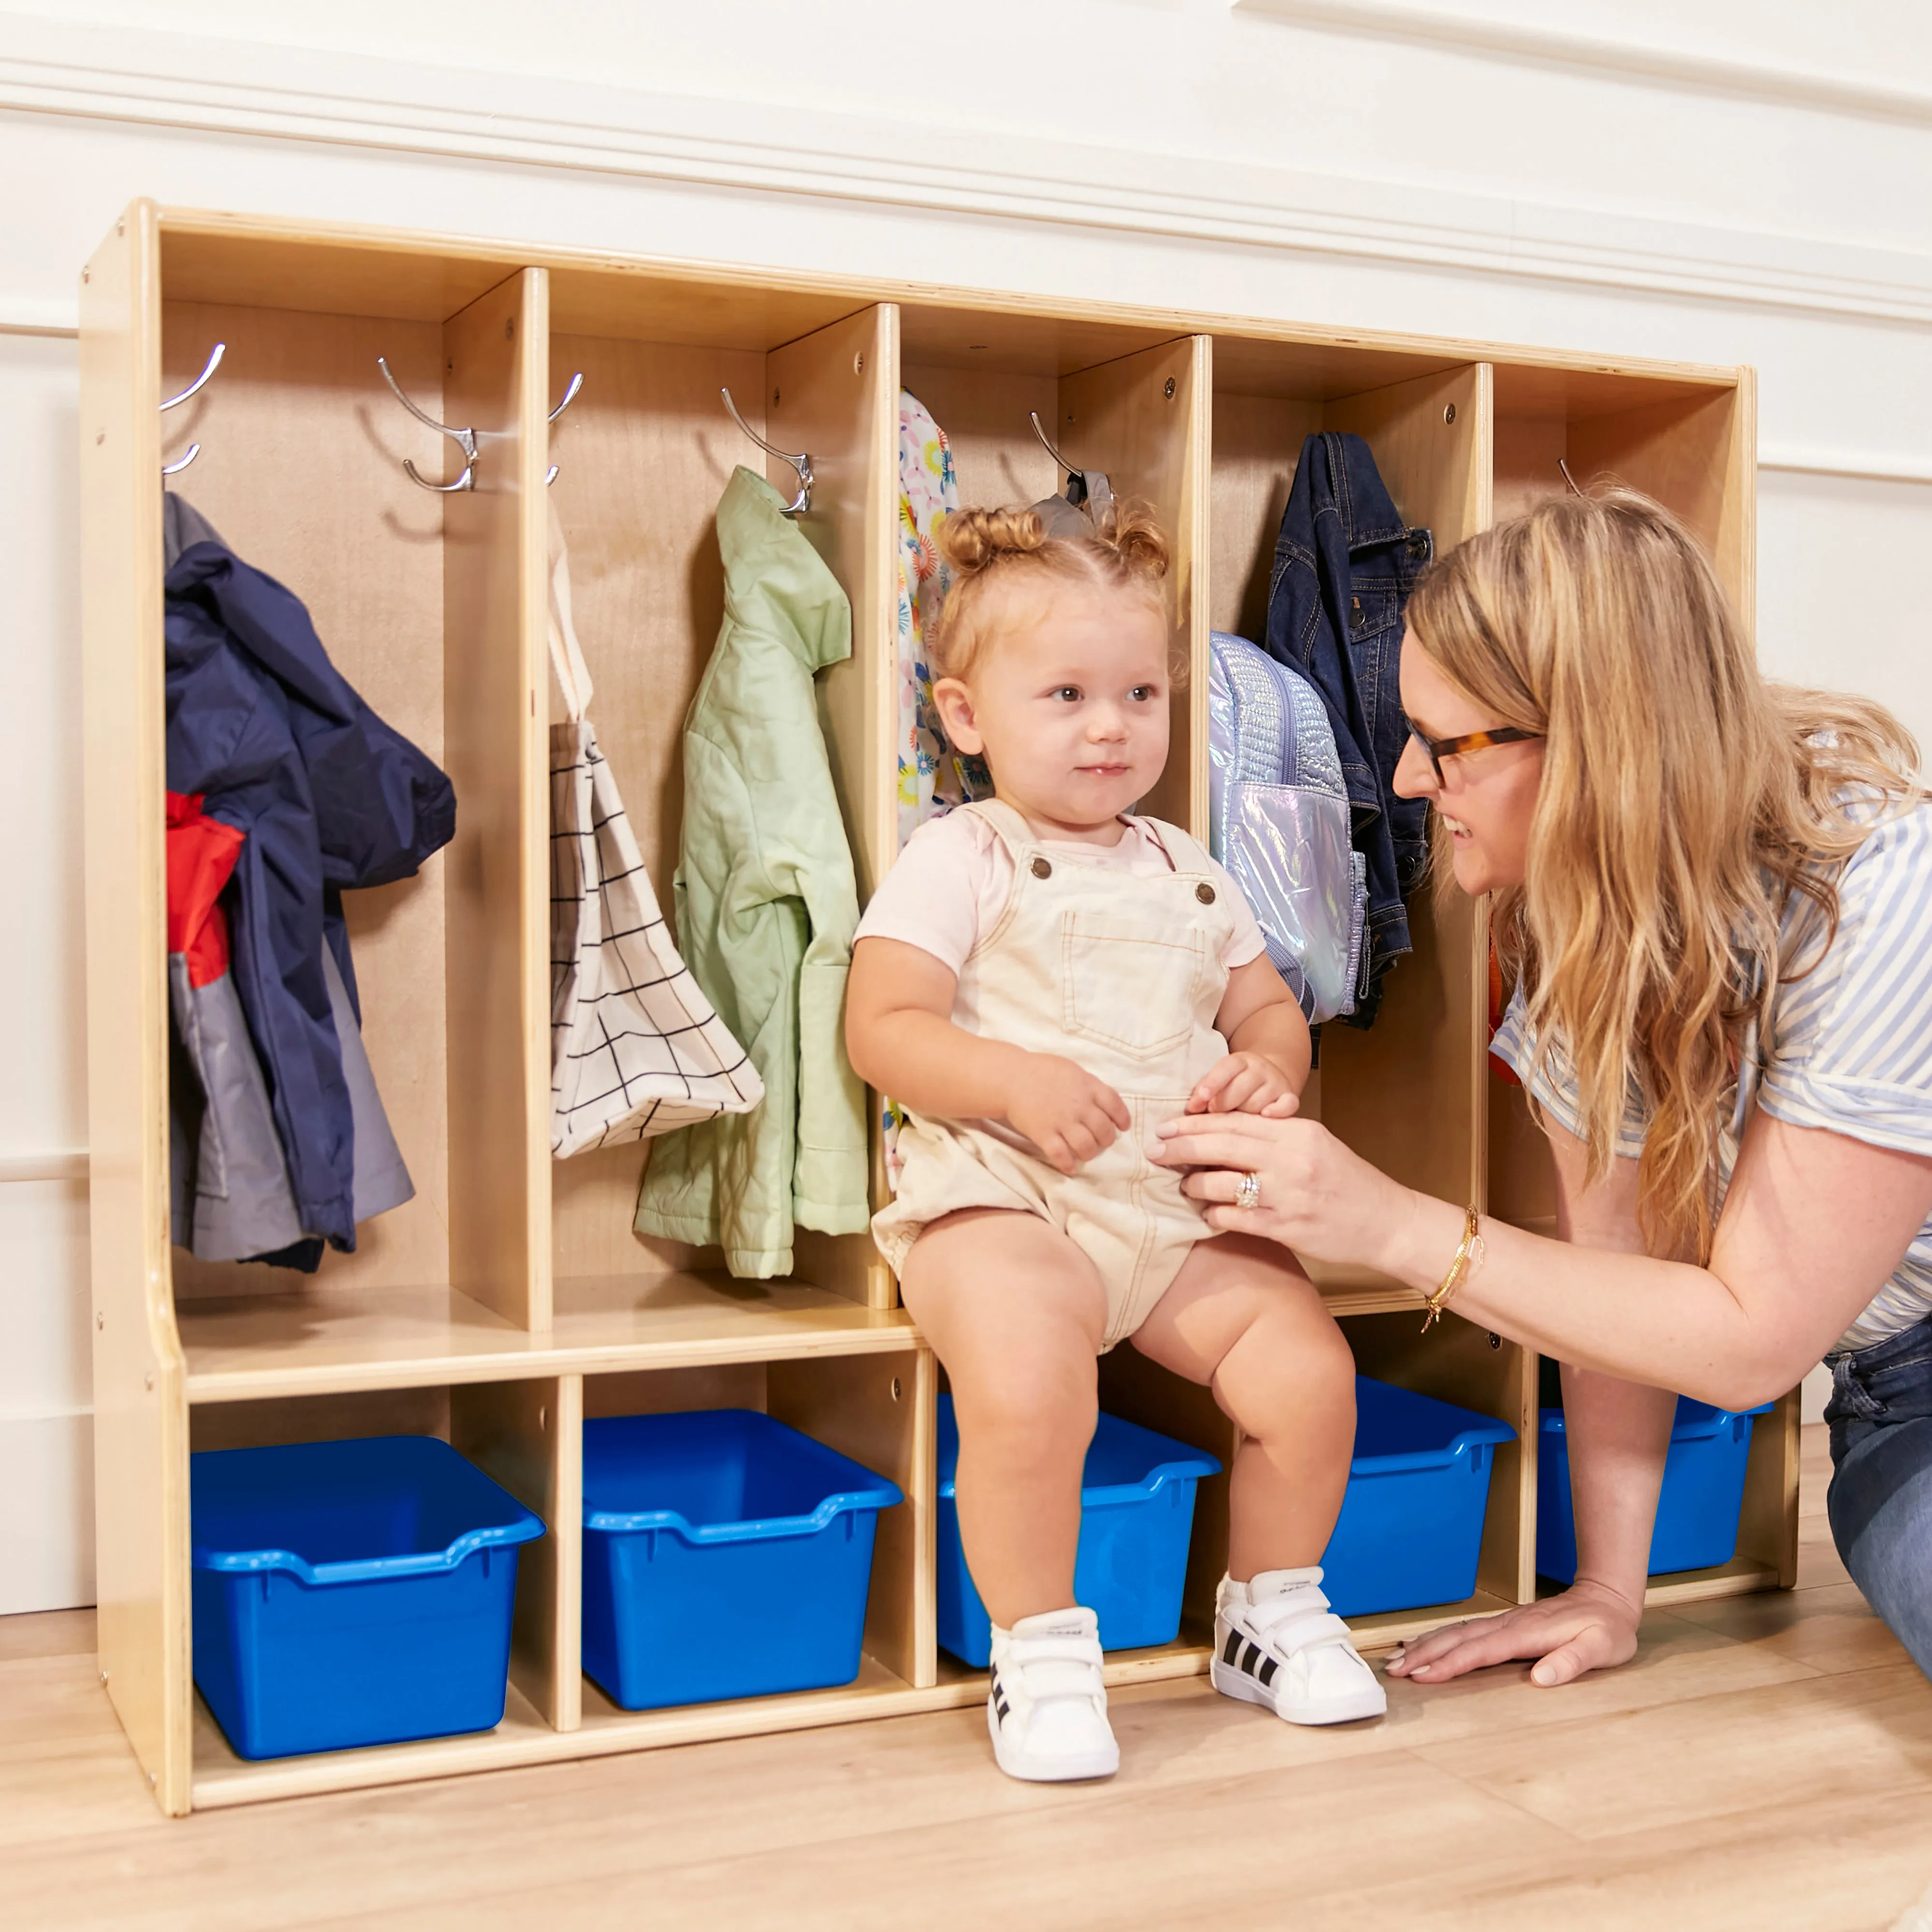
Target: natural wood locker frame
512 1299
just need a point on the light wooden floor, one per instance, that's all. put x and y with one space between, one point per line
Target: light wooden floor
1764 1763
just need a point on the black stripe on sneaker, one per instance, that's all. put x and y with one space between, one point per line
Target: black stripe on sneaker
1250 1658
1233 1650
1268 1669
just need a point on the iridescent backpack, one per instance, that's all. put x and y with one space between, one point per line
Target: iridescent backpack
1279 821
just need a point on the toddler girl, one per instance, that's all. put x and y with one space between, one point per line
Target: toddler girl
1040 981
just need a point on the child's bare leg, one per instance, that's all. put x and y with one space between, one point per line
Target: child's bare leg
1016 1312
1243 1317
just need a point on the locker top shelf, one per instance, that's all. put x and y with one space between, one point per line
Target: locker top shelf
334 268
247 1348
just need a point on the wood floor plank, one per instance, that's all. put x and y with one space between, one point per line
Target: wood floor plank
1819 1739
1851 1866
1831 1627
47 1633
1135 1852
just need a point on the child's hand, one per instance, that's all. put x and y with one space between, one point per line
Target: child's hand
1244 1083
1067 1114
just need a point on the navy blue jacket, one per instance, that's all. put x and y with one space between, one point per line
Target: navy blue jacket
1344 566
261 723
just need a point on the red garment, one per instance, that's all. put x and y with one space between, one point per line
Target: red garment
202 852
1500 1067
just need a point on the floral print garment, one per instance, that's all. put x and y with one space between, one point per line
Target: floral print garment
932 777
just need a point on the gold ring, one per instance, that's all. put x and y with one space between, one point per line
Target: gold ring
1248 1191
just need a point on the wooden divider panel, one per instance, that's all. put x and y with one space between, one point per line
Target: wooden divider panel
140 1410
529 1436
1458 1362
1143 419
835 395
497 934
881 1410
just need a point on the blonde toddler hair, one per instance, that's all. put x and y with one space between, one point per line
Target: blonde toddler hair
995 554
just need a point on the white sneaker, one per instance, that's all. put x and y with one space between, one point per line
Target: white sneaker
1276 1643
1048 1711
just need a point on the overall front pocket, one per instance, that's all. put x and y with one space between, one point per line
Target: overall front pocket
1125 989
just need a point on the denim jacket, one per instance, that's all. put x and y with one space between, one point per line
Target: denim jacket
1344 566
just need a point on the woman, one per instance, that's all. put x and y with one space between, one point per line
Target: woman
1715 894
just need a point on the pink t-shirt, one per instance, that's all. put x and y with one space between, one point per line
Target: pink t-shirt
952 882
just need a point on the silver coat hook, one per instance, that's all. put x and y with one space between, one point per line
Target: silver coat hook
200 382
465 439
1563 466
1072 469
801 463
569 396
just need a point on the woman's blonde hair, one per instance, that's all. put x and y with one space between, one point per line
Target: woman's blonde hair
995 553
1684 799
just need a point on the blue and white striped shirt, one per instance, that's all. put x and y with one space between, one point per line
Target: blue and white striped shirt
1851 1041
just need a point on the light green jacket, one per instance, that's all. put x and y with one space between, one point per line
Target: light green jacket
766 906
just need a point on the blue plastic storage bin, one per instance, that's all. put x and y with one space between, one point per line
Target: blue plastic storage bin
1136 1512
725 1556
351 1593
1697 1509
1412 1522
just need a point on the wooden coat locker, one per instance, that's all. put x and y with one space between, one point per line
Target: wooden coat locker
510 1299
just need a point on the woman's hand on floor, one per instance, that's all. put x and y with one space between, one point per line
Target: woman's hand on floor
1588 1627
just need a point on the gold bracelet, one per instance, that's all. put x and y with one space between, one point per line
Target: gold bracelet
1460 1269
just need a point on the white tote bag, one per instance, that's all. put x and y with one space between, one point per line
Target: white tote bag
636 1048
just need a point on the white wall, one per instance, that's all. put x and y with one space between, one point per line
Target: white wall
1714 181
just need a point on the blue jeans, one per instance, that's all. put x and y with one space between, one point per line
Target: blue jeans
1880 1500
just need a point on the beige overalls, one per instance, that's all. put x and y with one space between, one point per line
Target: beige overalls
1122 974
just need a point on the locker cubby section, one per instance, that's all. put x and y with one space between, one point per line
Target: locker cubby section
524 1436
1404 1094
878 1410
512 1297
415 597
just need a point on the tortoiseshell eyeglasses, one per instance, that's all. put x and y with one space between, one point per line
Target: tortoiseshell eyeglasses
1439 748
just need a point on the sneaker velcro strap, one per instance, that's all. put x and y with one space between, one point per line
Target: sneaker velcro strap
1302 1631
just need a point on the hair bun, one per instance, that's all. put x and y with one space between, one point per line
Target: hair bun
970 540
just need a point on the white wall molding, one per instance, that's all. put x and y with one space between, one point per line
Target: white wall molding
235 88
1549 46
67 1164
1878 465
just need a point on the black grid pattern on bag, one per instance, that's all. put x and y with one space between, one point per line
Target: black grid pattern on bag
636 1048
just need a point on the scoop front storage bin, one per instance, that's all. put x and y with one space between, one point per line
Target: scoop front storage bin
1136 1513
351 1593
1697 1509
1411 1523
725 1555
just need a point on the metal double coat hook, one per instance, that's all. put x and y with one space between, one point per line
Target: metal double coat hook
465 439
199 383
801 463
